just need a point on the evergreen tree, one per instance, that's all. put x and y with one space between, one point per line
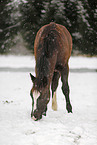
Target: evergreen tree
70 19
26 17
89 27
50 9
70 15
31 12
8 24
53 12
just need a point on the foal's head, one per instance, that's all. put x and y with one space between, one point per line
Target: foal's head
40 97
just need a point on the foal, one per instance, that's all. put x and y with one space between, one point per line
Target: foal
52 49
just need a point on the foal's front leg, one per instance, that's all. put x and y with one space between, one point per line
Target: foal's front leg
65 87
48 99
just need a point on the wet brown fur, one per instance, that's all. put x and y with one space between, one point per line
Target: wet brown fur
60 52
52 49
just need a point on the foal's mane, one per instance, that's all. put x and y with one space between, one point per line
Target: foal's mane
47 46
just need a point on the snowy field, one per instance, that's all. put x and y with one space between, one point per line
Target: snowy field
58 127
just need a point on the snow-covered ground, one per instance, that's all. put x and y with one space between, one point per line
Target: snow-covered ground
57 128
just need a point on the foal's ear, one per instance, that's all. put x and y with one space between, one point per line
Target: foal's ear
32 78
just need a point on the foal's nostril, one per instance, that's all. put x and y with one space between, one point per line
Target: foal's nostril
34 118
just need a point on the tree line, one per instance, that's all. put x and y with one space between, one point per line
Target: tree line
25 17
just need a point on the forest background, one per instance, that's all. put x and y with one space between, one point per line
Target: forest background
21 19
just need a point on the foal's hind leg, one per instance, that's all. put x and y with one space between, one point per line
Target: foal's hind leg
54 86
65 87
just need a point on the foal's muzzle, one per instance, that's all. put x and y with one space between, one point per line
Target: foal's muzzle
36 115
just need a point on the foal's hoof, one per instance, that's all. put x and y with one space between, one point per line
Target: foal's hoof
69 108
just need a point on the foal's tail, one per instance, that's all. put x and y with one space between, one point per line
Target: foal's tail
47 48
50 41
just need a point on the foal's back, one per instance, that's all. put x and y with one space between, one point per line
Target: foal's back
54 39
